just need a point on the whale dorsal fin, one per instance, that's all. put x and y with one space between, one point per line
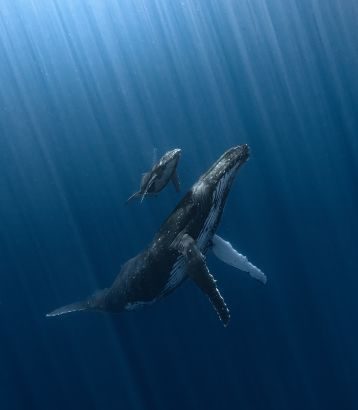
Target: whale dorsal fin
198 271
225 252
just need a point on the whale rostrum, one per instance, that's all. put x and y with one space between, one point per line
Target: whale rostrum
177 251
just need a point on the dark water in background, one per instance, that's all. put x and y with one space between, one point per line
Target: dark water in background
88 89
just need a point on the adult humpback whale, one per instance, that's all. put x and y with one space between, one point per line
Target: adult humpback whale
177 250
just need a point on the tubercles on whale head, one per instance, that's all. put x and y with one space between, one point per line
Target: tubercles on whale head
229 162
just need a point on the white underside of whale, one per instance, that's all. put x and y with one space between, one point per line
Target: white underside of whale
222 249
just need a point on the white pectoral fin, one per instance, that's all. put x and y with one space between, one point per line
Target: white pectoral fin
225 252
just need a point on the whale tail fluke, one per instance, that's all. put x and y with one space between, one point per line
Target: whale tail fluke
94 302
73 307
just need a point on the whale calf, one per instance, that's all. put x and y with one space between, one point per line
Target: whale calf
159 176
177 251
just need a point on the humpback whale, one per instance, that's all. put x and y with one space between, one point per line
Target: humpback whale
158 177
177 251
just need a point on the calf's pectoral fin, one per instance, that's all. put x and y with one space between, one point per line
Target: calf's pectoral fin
149 185
198 271
134 196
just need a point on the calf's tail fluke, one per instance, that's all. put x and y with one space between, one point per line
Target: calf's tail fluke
73 307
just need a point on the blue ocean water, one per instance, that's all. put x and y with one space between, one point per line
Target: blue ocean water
88 90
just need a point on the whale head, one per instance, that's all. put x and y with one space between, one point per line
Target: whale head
227 164
171 158
219 177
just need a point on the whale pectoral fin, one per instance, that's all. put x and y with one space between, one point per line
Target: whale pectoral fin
149 184
134 196
144 180
198 271
225 252
175 180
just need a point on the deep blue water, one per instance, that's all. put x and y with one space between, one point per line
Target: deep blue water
88 89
